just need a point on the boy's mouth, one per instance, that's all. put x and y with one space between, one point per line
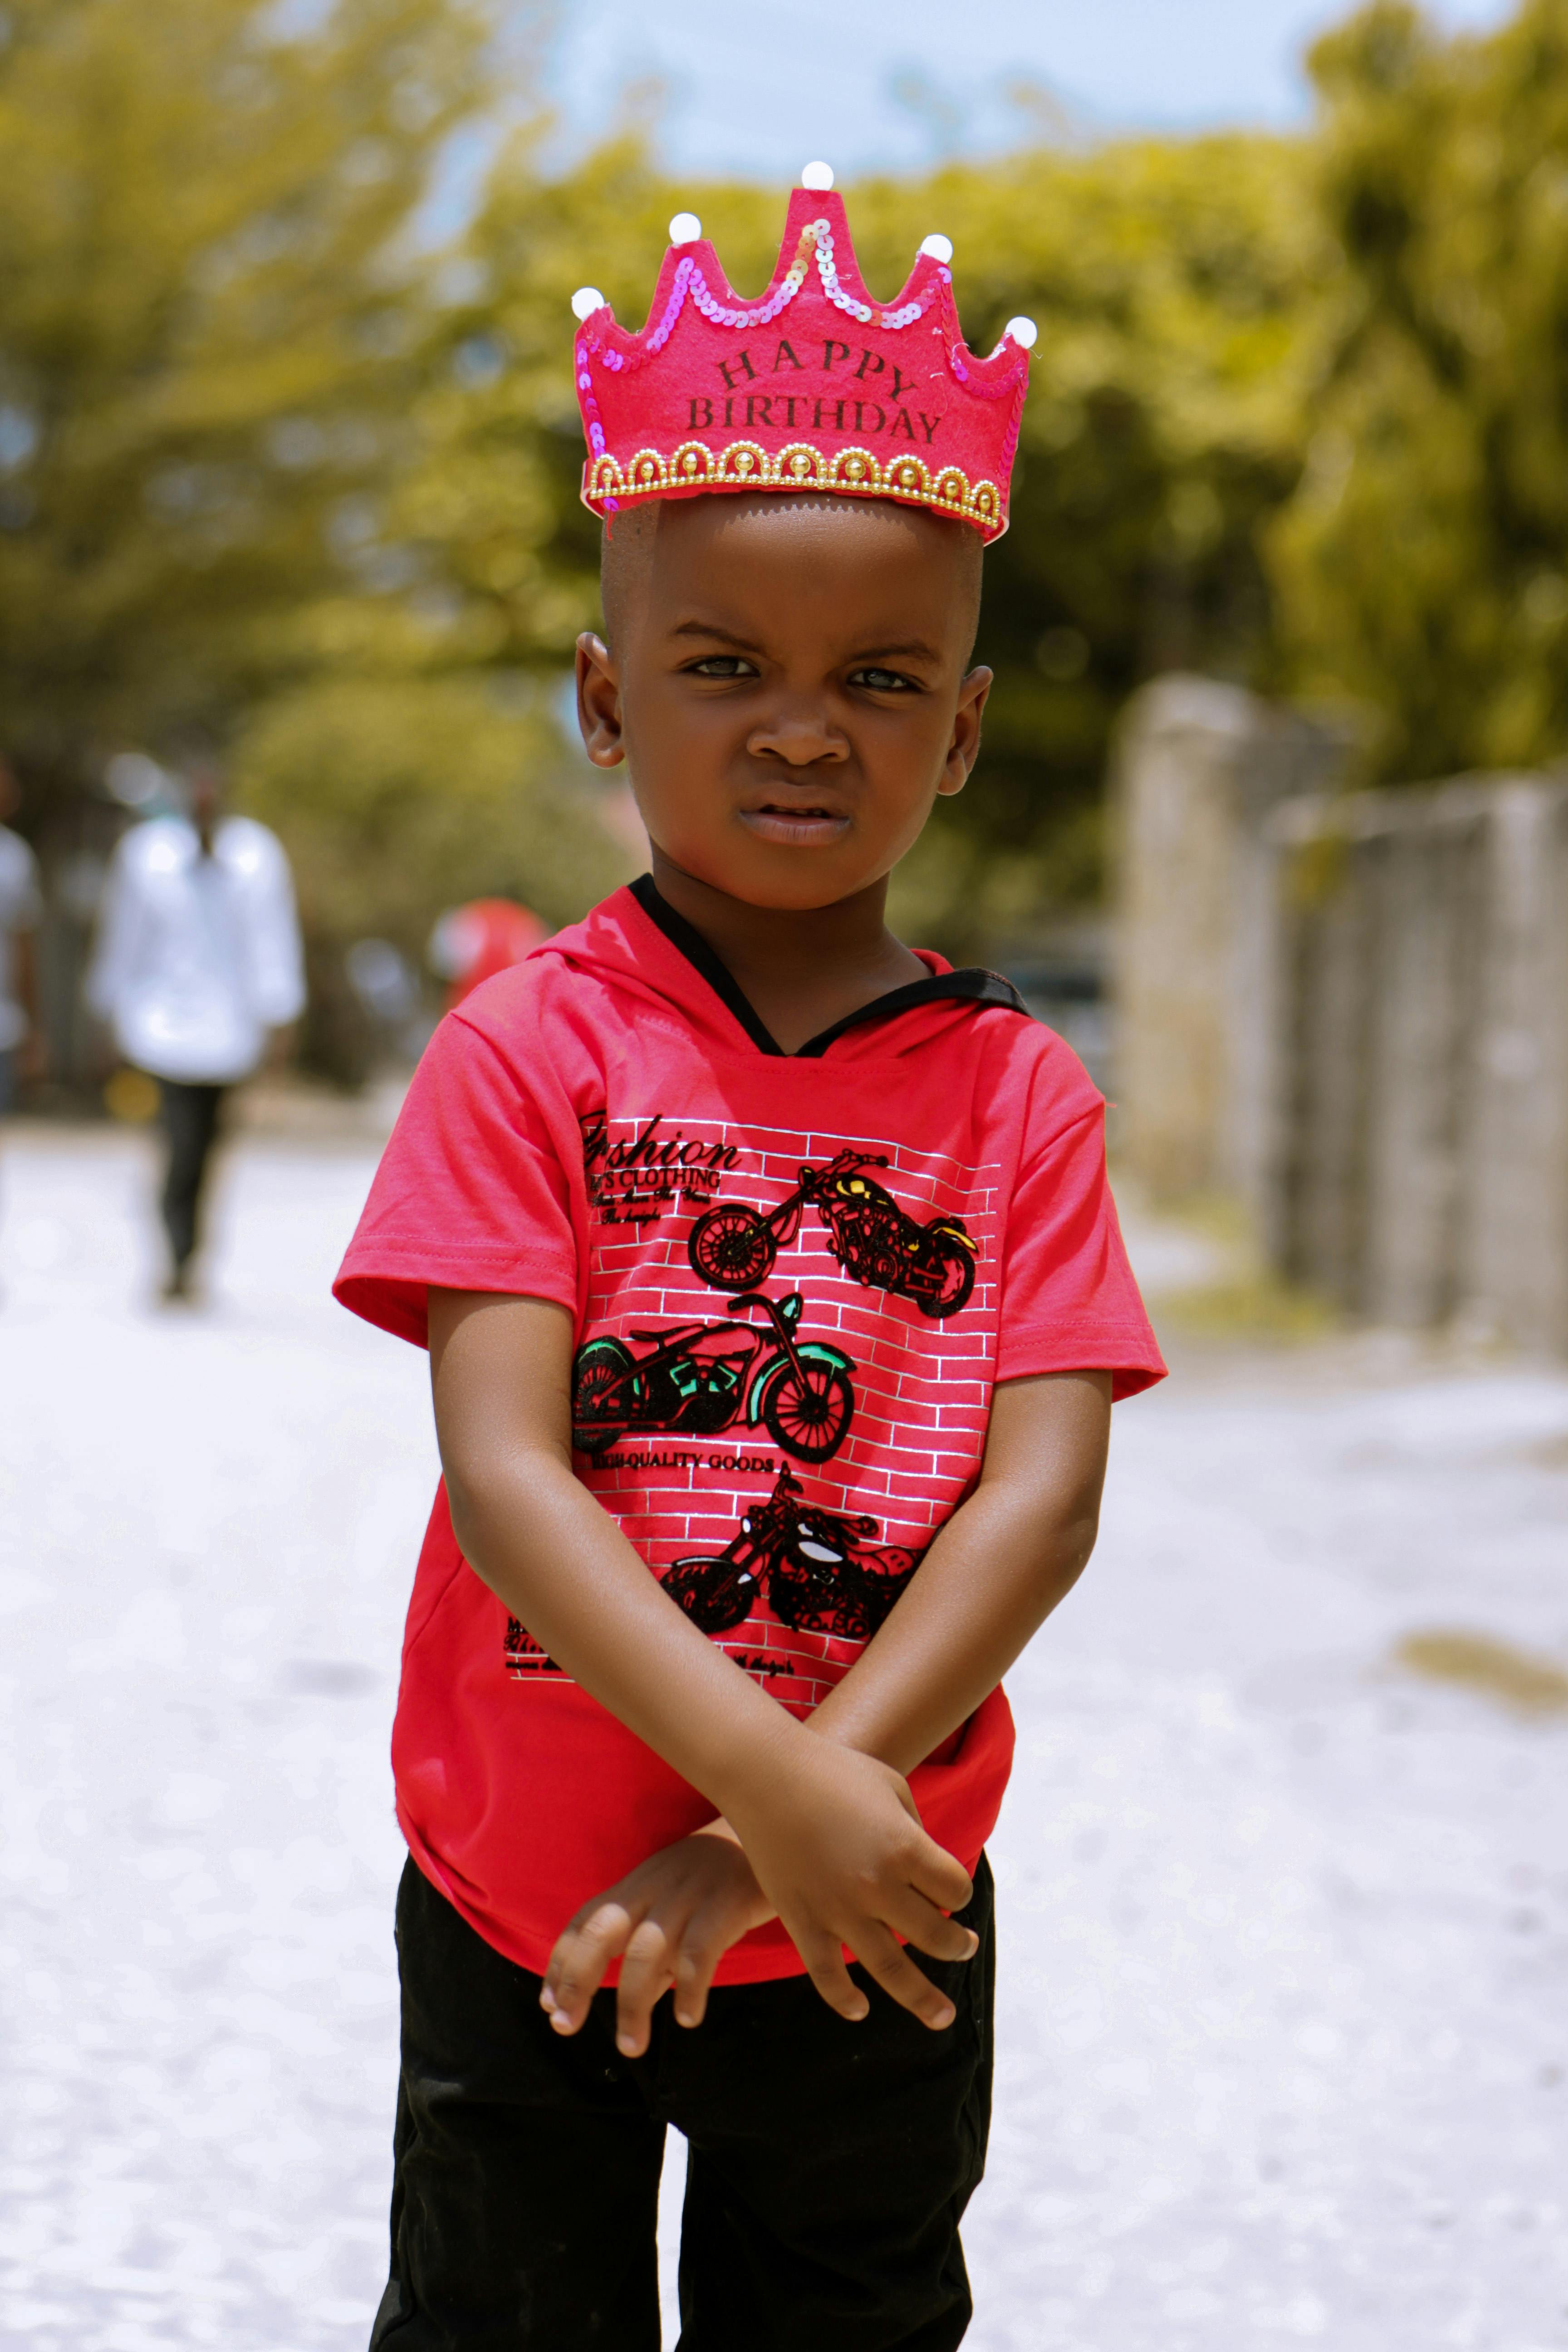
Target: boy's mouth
796 824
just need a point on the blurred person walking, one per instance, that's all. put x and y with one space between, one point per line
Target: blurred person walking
21 906
471 943
198 972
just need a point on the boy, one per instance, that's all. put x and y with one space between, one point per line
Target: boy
756 1250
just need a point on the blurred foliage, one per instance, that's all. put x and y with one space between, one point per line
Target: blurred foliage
398 796
402 794
275 471
216 315
1423 566
207 344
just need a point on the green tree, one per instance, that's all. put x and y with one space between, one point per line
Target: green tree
1423 564
402 794
208 333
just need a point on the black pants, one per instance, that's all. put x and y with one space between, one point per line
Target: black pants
829 2163
191 1123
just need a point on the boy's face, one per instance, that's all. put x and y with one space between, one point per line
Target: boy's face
788 685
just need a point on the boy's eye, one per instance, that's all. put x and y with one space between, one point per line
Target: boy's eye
721 666
883 681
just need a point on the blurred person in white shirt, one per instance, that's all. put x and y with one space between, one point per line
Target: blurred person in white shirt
198 971
21 1045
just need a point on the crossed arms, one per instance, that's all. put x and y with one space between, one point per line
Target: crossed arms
816 1824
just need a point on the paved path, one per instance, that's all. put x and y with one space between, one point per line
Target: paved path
1285 1940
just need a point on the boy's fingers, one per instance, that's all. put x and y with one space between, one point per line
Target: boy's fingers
593 1940
939 1879
707 1938
882 1954
824 1961
645 1974
576 1970
920 1923
693 1976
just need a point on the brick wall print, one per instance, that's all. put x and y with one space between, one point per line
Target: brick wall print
919 1380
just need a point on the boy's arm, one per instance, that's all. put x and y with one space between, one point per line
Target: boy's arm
991 1577
996 1571
835 1839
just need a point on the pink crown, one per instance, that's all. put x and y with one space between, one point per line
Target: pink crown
816 387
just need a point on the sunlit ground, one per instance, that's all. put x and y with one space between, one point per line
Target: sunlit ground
1284 1870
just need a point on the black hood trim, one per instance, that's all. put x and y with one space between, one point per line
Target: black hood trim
972 985
696 950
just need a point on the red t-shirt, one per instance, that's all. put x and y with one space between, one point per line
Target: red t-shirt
795 1280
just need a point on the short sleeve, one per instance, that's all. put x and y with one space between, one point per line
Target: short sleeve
1068 1299
471 1193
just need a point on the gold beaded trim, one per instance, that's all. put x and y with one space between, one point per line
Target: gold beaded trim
746 466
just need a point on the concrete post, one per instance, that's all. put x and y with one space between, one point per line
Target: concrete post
1511 1274
1196 767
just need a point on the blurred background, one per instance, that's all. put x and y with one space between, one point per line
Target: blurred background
289 457
1271 823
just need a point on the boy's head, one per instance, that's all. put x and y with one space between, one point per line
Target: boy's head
797 493
788 680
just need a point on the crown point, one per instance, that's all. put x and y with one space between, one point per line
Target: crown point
586 301
939 247
1024 331
684 229
817 175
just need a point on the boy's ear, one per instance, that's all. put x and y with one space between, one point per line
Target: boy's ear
599 702
965 749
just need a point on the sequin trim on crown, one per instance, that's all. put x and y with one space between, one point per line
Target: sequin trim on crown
745 465
816 239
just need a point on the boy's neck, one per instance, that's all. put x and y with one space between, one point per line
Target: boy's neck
800 971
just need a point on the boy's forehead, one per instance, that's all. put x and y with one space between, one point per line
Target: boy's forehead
776 559
763 518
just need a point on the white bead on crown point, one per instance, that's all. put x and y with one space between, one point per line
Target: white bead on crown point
817 175
586 301
685 228
940 249
1024 331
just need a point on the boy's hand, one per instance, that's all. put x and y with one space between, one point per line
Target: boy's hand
672 1919
844 1858
838 1850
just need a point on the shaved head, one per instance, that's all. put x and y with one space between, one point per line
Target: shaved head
628 542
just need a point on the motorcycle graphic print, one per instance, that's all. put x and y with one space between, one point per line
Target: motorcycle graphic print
733 1247
760 1398
522 1654
700 1377
814 1567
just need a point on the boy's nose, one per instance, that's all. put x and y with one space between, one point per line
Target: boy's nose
799 738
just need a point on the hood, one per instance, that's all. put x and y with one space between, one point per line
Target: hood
639 943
